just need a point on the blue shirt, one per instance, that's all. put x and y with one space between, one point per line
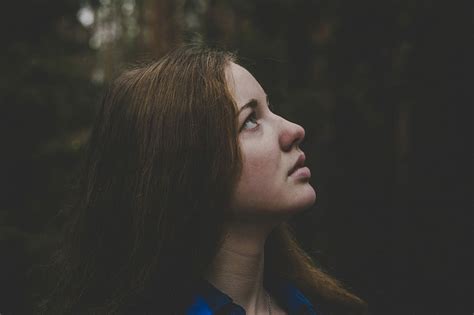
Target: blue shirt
209 300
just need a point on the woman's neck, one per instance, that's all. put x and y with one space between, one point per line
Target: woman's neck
237 269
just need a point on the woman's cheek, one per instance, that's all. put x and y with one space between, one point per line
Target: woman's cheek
260 157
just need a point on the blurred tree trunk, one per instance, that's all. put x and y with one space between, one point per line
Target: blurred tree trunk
162 25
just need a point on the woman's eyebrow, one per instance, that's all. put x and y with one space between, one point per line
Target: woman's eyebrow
253 103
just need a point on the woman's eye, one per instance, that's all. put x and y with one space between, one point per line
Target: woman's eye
250 122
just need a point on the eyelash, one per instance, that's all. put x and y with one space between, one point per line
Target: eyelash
254 116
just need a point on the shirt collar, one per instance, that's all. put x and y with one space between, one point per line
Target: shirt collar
208 300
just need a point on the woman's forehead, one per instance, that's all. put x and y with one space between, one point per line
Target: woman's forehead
242 84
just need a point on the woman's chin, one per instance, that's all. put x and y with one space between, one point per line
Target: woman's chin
304 197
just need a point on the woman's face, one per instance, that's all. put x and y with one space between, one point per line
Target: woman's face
269 144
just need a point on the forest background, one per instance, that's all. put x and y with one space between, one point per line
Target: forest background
380 87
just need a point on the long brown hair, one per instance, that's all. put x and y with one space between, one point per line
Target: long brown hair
157 175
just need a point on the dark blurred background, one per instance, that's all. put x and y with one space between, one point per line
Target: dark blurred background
381 88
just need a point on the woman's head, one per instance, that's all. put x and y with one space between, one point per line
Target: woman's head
190 139
174 153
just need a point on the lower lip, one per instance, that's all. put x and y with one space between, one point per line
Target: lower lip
302 172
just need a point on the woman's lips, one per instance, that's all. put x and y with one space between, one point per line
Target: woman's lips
301 172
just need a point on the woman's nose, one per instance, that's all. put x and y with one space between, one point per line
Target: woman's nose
291 135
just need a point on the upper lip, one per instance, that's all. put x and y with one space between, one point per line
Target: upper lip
299 163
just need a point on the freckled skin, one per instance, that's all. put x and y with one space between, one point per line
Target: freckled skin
269 151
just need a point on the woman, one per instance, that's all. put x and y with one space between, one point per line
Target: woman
187 181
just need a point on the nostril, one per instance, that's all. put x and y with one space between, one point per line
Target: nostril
301 143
